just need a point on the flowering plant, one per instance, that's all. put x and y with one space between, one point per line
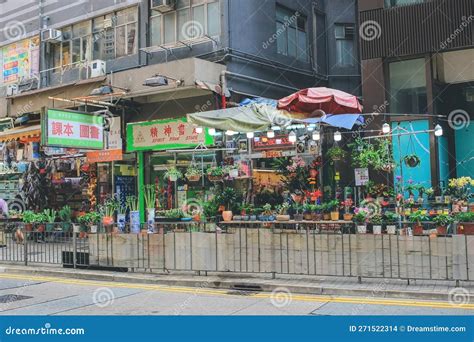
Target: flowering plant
347 203
460 188
361 215
296 162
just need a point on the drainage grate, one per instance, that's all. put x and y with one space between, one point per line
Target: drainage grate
12 298
247 287
240 293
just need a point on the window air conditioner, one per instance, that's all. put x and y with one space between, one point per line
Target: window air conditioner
97 68
163 5
52 36
108 23
12 89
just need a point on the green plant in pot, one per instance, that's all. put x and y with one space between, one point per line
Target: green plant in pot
173 174
335 153
360 218
89 221
283 212
442 221
215 173
316 212
391 219
308 211
333 208
28 219
267 214
228 199
175 214
417 219
298 211
65 215
412 160
193 173
376 221
50 217
465 223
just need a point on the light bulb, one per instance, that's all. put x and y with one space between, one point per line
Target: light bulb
337 136
310 128
271 134
292 137
250 135
438 130
316 135
212 131
385 128
198 130
230 133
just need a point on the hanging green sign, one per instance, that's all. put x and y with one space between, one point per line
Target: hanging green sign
70 129
164 135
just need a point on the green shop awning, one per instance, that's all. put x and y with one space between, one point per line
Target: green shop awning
255 117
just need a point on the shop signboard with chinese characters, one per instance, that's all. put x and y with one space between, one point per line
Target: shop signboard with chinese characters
113 137
279 142
361 176
164 135
72 129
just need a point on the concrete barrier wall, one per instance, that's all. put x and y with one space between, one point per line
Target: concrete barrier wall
291 252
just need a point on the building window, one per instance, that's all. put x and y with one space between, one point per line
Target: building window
192 19
292 39
395 3
408 86
344 34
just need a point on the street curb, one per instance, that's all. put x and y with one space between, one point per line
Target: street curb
222 282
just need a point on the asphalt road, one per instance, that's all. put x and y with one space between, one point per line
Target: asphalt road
37 295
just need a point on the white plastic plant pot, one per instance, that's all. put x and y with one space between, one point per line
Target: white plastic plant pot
76 228
391 229
377 229
121 221
94 229
234 173
173 178
135 222
361 229
150 220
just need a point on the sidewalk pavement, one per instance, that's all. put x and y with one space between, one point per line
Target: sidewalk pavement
314 285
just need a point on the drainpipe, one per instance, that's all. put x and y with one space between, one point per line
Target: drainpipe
223 89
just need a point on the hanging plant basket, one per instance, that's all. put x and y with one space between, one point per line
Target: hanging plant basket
215 178
412 160
193 178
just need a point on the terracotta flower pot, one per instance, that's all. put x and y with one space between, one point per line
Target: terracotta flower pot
107 220
308 216
194 178
227 215
418 230
466 228
326 216
348 217
283 217
441 230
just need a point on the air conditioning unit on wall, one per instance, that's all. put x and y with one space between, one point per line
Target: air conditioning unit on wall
97 68
52 36
12 89
163 5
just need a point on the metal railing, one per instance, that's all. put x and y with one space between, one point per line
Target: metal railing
303 248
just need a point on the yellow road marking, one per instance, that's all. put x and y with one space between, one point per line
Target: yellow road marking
224 292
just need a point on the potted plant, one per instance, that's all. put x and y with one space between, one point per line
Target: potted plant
391 218
107 210
245 210
228 198
348 204
50 217
417 219
442 222
267 214
333 208
298 215
283 212
376 221
316 212
412 160
90 221
465 223
231 170
175 214
307 212
40 220
65 215
28 219
360 219
335 153
193 173
149 192
132 205
215 173
173 174
326 211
